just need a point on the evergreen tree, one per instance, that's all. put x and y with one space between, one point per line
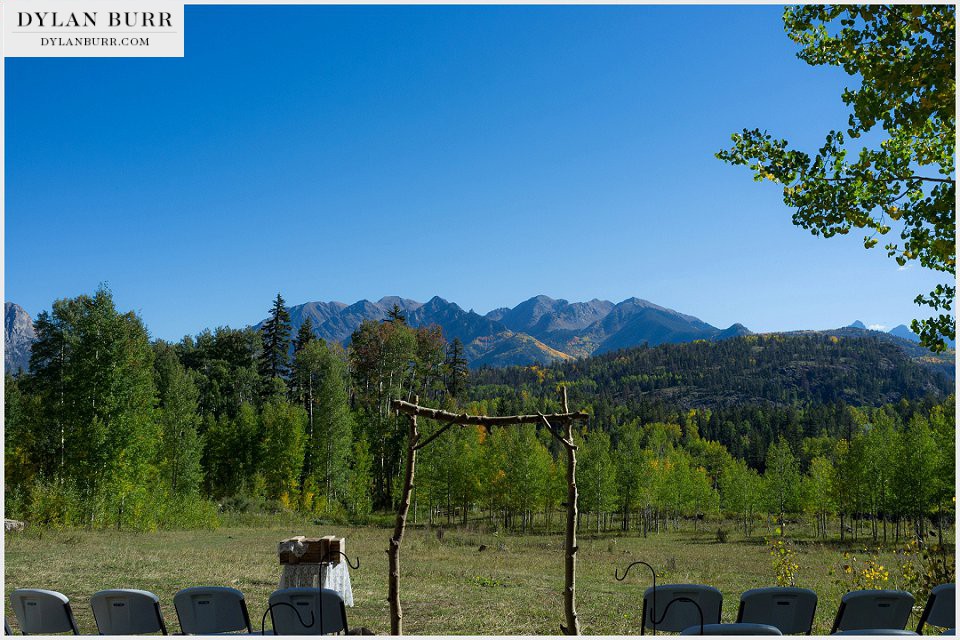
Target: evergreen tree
396 314
304 335
275 357
456 369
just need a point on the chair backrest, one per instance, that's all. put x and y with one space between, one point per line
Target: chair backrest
127 612
211 610
321 611
789 609
732 629
873 609
875 632
680 614
43 611
941 608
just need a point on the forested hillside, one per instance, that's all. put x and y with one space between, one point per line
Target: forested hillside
780 369
111 429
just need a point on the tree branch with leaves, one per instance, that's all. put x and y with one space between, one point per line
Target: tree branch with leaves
905 183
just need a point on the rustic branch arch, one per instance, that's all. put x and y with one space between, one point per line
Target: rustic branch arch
560 426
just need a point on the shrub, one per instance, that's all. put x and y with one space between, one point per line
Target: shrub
785 566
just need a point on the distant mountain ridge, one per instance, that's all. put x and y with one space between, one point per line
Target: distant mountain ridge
540 330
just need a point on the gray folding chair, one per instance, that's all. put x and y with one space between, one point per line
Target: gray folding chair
941 608
307 611
211 610
873 609
674 610
732 629
127 612
42 611
876 632
789 609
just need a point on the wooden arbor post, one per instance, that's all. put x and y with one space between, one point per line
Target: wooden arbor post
554 423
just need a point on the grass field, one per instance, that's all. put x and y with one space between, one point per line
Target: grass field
448 586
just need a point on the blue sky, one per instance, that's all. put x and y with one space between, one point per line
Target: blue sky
483 154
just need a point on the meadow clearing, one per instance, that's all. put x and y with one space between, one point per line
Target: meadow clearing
448 586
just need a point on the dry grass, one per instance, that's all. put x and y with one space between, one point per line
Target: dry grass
448 586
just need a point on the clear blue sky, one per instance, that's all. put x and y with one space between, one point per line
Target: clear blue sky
483 154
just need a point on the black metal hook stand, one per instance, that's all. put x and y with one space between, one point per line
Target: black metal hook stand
616 574
349 564
263 621
653 607
667 608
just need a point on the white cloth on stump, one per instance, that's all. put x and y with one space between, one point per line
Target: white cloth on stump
332 576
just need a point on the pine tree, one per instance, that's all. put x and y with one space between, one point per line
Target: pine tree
396 314
304 335
275 357
456 369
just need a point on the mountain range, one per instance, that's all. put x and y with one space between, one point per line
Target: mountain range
537 331
540 330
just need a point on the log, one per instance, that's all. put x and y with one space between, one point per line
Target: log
413 409
393 552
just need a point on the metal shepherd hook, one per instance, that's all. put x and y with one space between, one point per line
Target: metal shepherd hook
653 608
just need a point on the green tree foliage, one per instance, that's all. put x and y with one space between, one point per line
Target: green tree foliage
391 360
321 374
902 179
275 358
180 447
359 499
596 476
231 452
224 363
523 473
283 444
94 374
916 485
741 492
781 482
817 492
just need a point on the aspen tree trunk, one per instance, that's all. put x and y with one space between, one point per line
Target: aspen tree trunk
572 628
393 553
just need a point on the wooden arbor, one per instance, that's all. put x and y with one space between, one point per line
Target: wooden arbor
560 426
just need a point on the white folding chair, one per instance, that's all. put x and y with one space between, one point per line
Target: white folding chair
204 610
789 609
307 611
127 612
873 609
679 606
42 611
